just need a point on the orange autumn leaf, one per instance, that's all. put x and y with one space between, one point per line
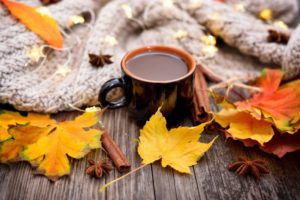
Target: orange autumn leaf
69 138
280 104
46 143
9 118
41 24
22 135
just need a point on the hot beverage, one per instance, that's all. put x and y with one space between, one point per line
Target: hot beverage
157 66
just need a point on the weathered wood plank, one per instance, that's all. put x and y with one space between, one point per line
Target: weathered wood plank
164 182
216 182
210 179
140 184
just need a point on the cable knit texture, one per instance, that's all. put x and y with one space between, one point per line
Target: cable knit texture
38 87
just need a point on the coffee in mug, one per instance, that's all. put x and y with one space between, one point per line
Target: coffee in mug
154 76
157 66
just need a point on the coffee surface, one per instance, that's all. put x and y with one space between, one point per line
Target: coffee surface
157 66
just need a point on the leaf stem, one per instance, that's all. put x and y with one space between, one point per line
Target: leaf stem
121 177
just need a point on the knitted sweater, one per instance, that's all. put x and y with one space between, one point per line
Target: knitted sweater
38 87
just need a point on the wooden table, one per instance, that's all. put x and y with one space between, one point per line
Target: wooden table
210 179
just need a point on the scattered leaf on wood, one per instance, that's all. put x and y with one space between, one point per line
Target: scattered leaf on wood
247 166
46 146
68 138
278 103
178 148
41 24
269 119
243 125
47 2
23 135
282 144
98 168
278 36
8 119
99 60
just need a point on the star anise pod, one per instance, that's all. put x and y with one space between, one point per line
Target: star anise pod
278 37
247 166
100 60
47 2
98 168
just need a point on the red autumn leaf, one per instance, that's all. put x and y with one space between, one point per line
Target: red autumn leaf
269 81
282 144
280 104
279 145
41 24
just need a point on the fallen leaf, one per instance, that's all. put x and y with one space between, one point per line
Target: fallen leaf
9 118
279 104
22 135
4 135
66 139
178 148
41 24
282 144
46 143
241 125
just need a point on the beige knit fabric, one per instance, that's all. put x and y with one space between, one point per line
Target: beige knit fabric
286 11
39 88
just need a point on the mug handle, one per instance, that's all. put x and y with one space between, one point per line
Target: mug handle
108 86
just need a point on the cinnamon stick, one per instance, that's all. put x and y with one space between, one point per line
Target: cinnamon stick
210 75
114 152
201 104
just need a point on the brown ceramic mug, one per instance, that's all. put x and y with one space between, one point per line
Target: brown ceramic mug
144 96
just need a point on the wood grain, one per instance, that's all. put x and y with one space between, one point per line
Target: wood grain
210 179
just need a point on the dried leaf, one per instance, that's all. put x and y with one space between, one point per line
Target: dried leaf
46 143
41 24
67 139
179 148
8 118
282 144
22 135
281 105
243 126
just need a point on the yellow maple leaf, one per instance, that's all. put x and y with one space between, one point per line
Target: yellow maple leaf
178 148
66 139
4 135
22 135
9 118
242 125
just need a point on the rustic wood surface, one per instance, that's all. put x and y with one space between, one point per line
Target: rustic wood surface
210 179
